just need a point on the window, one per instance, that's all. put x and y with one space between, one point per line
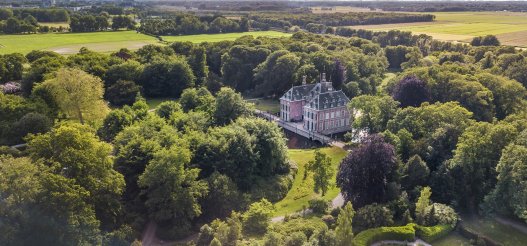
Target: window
332 115
327 116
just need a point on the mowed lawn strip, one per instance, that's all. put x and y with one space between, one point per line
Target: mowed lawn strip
200 38
302 190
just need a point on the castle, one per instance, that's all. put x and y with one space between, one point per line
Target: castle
321 108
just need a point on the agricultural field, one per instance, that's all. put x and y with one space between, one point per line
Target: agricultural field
302 190
200 38
510 28
70 43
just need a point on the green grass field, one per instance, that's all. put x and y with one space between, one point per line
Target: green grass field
507 235
302 190
200 38
269 105
70 43
511 28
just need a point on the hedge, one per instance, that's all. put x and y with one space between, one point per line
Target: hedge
398 233
432 233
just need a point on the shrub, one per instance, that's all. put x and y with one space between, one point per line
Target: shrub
295 239
399 233
440 214
256 219
307 227
318 205
329 220
372 216
432 233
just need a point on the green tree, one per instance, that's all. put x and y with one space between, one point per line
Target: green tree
256 219
129 70
422 203
344 229
276 74
172 190
415 172
238 65
197 99
86 161
79 95
322 172
372 113
229 106
198 62
121 93
372 216
167 77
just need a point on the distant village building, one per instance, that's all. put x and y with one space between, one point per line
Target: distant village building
321 108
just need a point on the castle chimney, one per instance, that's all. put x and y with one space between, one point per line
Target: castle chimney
304 80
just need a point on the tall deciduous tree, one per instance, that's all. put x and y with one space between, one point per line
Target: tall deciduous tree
368 173
73 151
411 91
229 106
172 190
79 94
372 113
322 171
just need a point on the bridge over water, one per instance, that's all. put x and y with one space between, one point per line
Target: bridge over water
298 128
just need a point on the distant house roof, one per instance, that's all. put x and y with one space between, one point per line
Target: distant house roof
327 100
298 93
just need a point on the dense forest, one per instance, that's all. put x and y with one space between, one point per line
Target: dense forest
280 20
445 135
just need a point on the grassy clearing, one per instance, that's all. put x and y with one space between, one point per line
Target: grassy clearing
452 239
504 234
462 26
200 38
269 105
302 190
154 102
68 43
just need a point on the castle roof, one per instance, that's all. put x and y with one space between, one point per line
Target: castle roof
328 100
298 93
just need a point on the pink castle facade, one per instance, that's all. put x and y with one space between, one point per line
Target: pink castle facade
318 106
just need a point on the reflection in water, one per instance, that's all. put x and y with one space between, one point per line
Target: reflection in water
295 141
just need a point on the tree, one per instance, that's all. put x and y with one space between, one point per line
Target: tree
339 75
372 216
372 113
73 151
129 71
167 78
322 171
411 91
123 92
473 167
172 190
114 123
78 94
416 172
223 197
421 205
229 106
197 99
344 229
256 219
509 193
166 109
368 173
198 63
275 75
238 65
121 21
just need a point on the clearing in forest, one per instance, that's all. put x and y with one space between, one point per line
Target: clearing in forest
302 190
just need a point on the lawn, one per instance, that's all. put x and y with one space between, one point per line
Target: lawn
452 239
200 38
511 28
504 234
154 102
269 105
302 190
70 43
